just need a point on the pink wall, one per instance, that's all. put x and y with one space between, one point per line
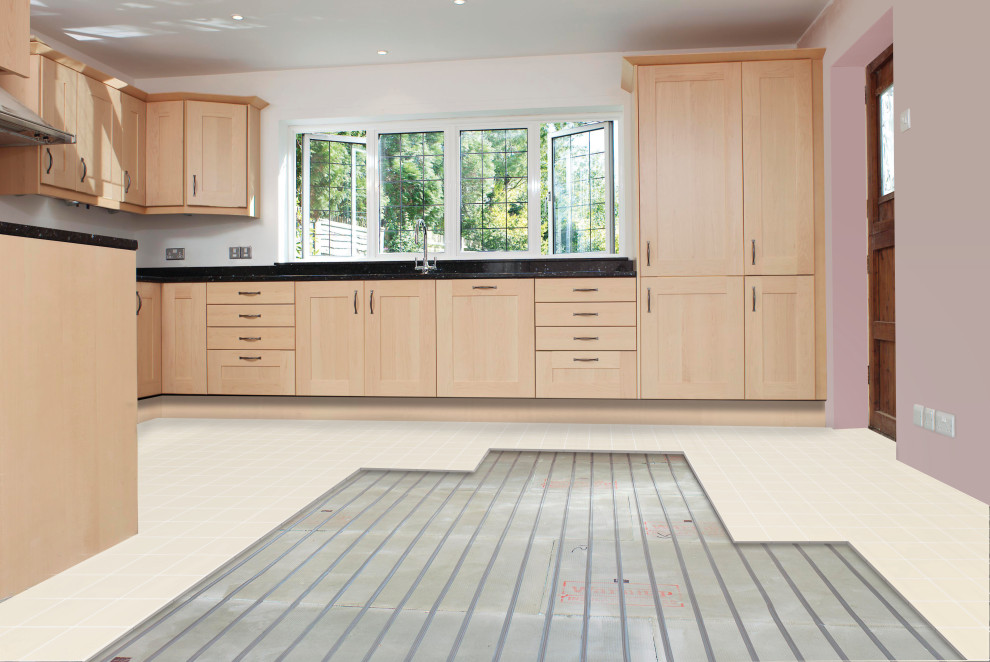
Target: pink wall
943 235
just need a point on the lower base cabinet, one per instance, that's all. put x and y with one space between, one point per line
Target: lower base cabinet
184 338
149 339
780 337
251 372
596 375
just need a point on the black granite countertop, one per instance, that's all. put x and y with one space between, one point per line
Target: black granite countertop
66 236
608 267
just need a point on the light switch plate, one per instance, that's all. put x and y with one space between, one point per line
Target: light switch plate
905 120
245 252
919 415
929 419
175 253
945 424
233 253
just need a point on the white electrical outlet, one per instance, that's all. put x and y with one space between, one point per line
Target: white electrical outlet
919 415
929 419
945 424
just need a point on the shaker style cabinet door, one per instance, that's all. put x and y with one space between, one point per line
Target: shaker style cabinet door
692 338
216 154
780 337
400 331
778 168
58 107
486 338
149 339
690 165
330 338
165 156
98 139
133 139
184 338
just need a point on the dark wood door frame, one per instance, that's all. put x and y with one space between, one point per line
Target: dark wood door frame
880 215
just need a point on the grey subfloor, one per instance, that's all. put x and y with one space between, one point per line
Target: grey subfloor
534 556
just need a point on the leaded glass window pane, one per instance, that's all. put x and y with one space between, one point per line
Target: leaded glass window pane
582 193
494 190
336 198
412 171
887 141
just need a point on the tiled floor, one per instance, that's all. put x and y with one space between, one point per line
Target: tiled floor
208 488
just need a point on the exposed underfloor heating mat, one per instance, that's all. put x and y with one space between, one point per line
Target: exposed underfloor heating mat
534 556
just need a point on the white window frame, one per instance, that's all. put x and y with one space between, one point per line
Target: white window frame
452 127
306 216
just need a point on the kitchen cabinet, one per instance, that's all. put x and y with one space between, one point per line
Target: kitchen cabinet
59 163
15 37
778 167
149 339
216 154
98 139
330 338
690 169
485 338
184 338
251 372
692 338
400 331
133 144
586 374
780 337
165 153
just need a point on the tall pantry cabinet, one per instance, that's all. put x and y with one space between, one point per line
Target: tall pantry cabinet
731 270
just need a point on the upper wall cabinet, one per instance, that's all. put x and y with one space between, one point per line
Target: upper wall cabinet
15 37
778 167
690 161
148 154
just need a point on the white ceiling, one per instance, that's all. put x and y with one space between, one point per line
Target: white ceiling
152 38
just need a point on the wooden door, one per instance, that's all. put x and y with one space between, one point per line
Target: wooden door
880 212
690 164
133 136
330 338
98 139
400 330
184 338
778 167
780 337
486 339
216 154
149 339
165 155
692 338
59 163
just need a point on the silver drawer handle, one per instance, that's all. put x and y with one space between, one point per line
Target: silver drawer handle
252 339
249 358
484 287
585 289
250 317
585 337
585 360
585 314
249 294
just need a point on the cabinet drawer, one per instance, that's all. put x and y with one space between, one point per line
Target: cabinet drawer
250 372
586 337
251 315
250 292
586 314
585 289
240 337
586 374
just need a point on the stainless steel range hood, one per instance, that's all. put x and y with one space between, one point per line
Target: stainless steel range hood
20 126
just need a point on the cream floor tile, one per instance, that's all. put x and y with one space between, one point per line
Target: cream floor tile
78 643
19 643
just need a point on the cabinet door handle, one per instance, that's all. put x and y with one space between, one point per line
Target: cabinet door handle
127 182
249 358
649 300
585 337
754 252
249 294
250 317
51 160
194 185
585 360
647 253
355 302
584 314
585 289
85 169
754 298
249 338
140 303
484 287
371 302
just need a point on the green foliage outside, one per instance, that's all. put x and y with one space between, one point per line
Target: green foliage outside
330 185
494 190
412 190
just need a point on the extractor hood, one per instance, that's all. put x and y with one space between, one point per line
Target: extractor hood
20 126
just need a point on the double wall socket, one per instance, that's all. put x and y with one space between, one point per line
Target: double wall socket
936 421
239 253
175 253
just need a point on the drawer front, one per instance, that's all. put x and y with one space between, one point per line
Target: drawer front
251 315
585 289
586 337
586 314
250 372
240 337
250 292
586 375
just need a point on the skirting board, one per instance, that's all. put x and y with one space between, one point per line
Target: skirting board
635 412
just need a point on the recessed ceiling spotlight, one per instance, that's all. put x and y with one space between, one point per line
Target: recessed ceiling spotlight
383 52
459 2
237 17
